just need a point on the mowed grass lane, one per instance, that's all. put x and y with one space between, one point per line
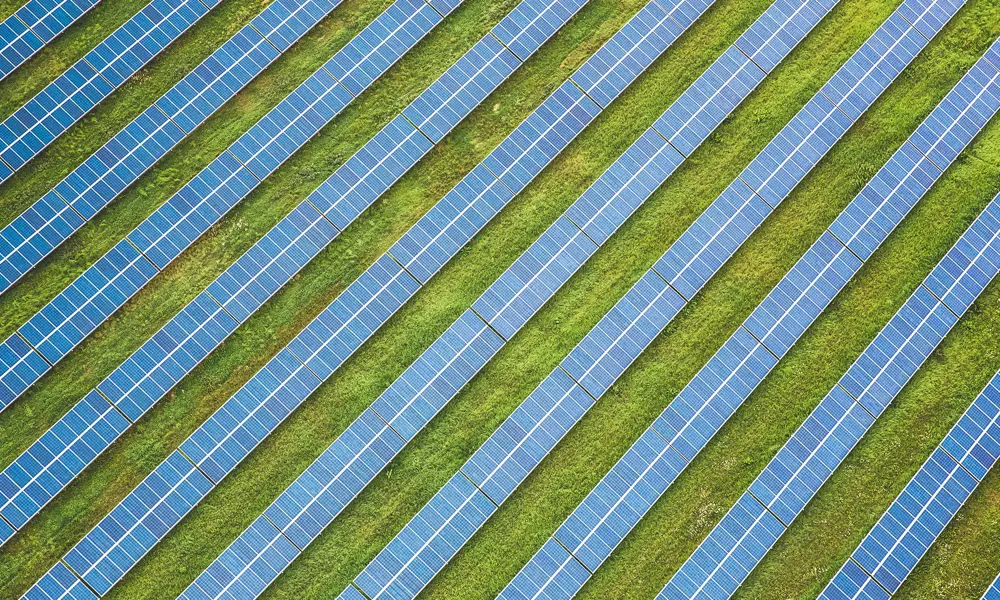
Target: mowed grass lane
113 475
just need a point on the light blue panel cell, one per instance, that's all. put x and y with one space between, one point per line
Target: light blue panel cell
802 294
451 223
246 566
709 100
782 26
21 365
993 593
624 332
351 592
17 43
971 264
437 375
962 114
439 108
875 65
885 200
33 235
620 499
628 53
48 19
329 484
427 542
719 388
929 16
59 584
725 558
171 353
190 212
851 583
712 239
77 311
113 547
790 156
926 505
897 352
624 186
532 22
41 471
534 428
382 43
540 137
975 440
551 573
534 277
356 184
814 451
283 22
353 317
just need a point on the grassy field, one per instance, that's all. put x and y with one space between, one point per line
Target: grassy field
958 567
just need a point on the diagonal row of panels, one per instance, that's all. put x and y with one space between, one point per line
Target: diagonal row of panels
33 26
429 541
127 393
285 381
133 262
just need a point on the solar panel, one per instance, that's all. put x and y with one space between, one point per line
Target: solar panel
191 335
993 593
33 25
905 532
91 79
618 502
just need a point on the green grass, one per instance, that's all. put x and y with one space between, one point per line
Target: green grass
816 545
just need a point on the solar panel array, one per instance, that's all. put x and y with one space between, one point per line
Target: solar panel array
89 188
487 479
138 522
926 505
33 25
124 396
744 536
92 78
103 288
993 593
607 515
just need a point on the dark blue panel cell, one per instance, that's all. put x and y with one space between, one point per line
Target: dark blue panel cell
427 542
532 22
975 440
971 264
782 26
929 16
534 277
507 457
852 583
618 338
59 583
437 375
22 366
551 573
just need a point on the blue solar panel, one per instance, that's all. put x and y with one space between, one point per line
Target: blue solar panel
618 339
616 64
719 388
725 558
437 375
426 544
709 100
808 459
852 583
929 16
770 39
138 522
975 440
34 25
60 583
626 184
22 366
966 271
619 500
802 294
553 574
532 22
90 80
993 593
534 277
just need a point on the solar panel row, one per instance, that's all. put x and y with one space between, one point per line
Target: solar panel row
744 536
487 479
926 505
186 340
33 25
92 78
103 414
993 593
344 469
110 549
607 515
89 188
103 288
